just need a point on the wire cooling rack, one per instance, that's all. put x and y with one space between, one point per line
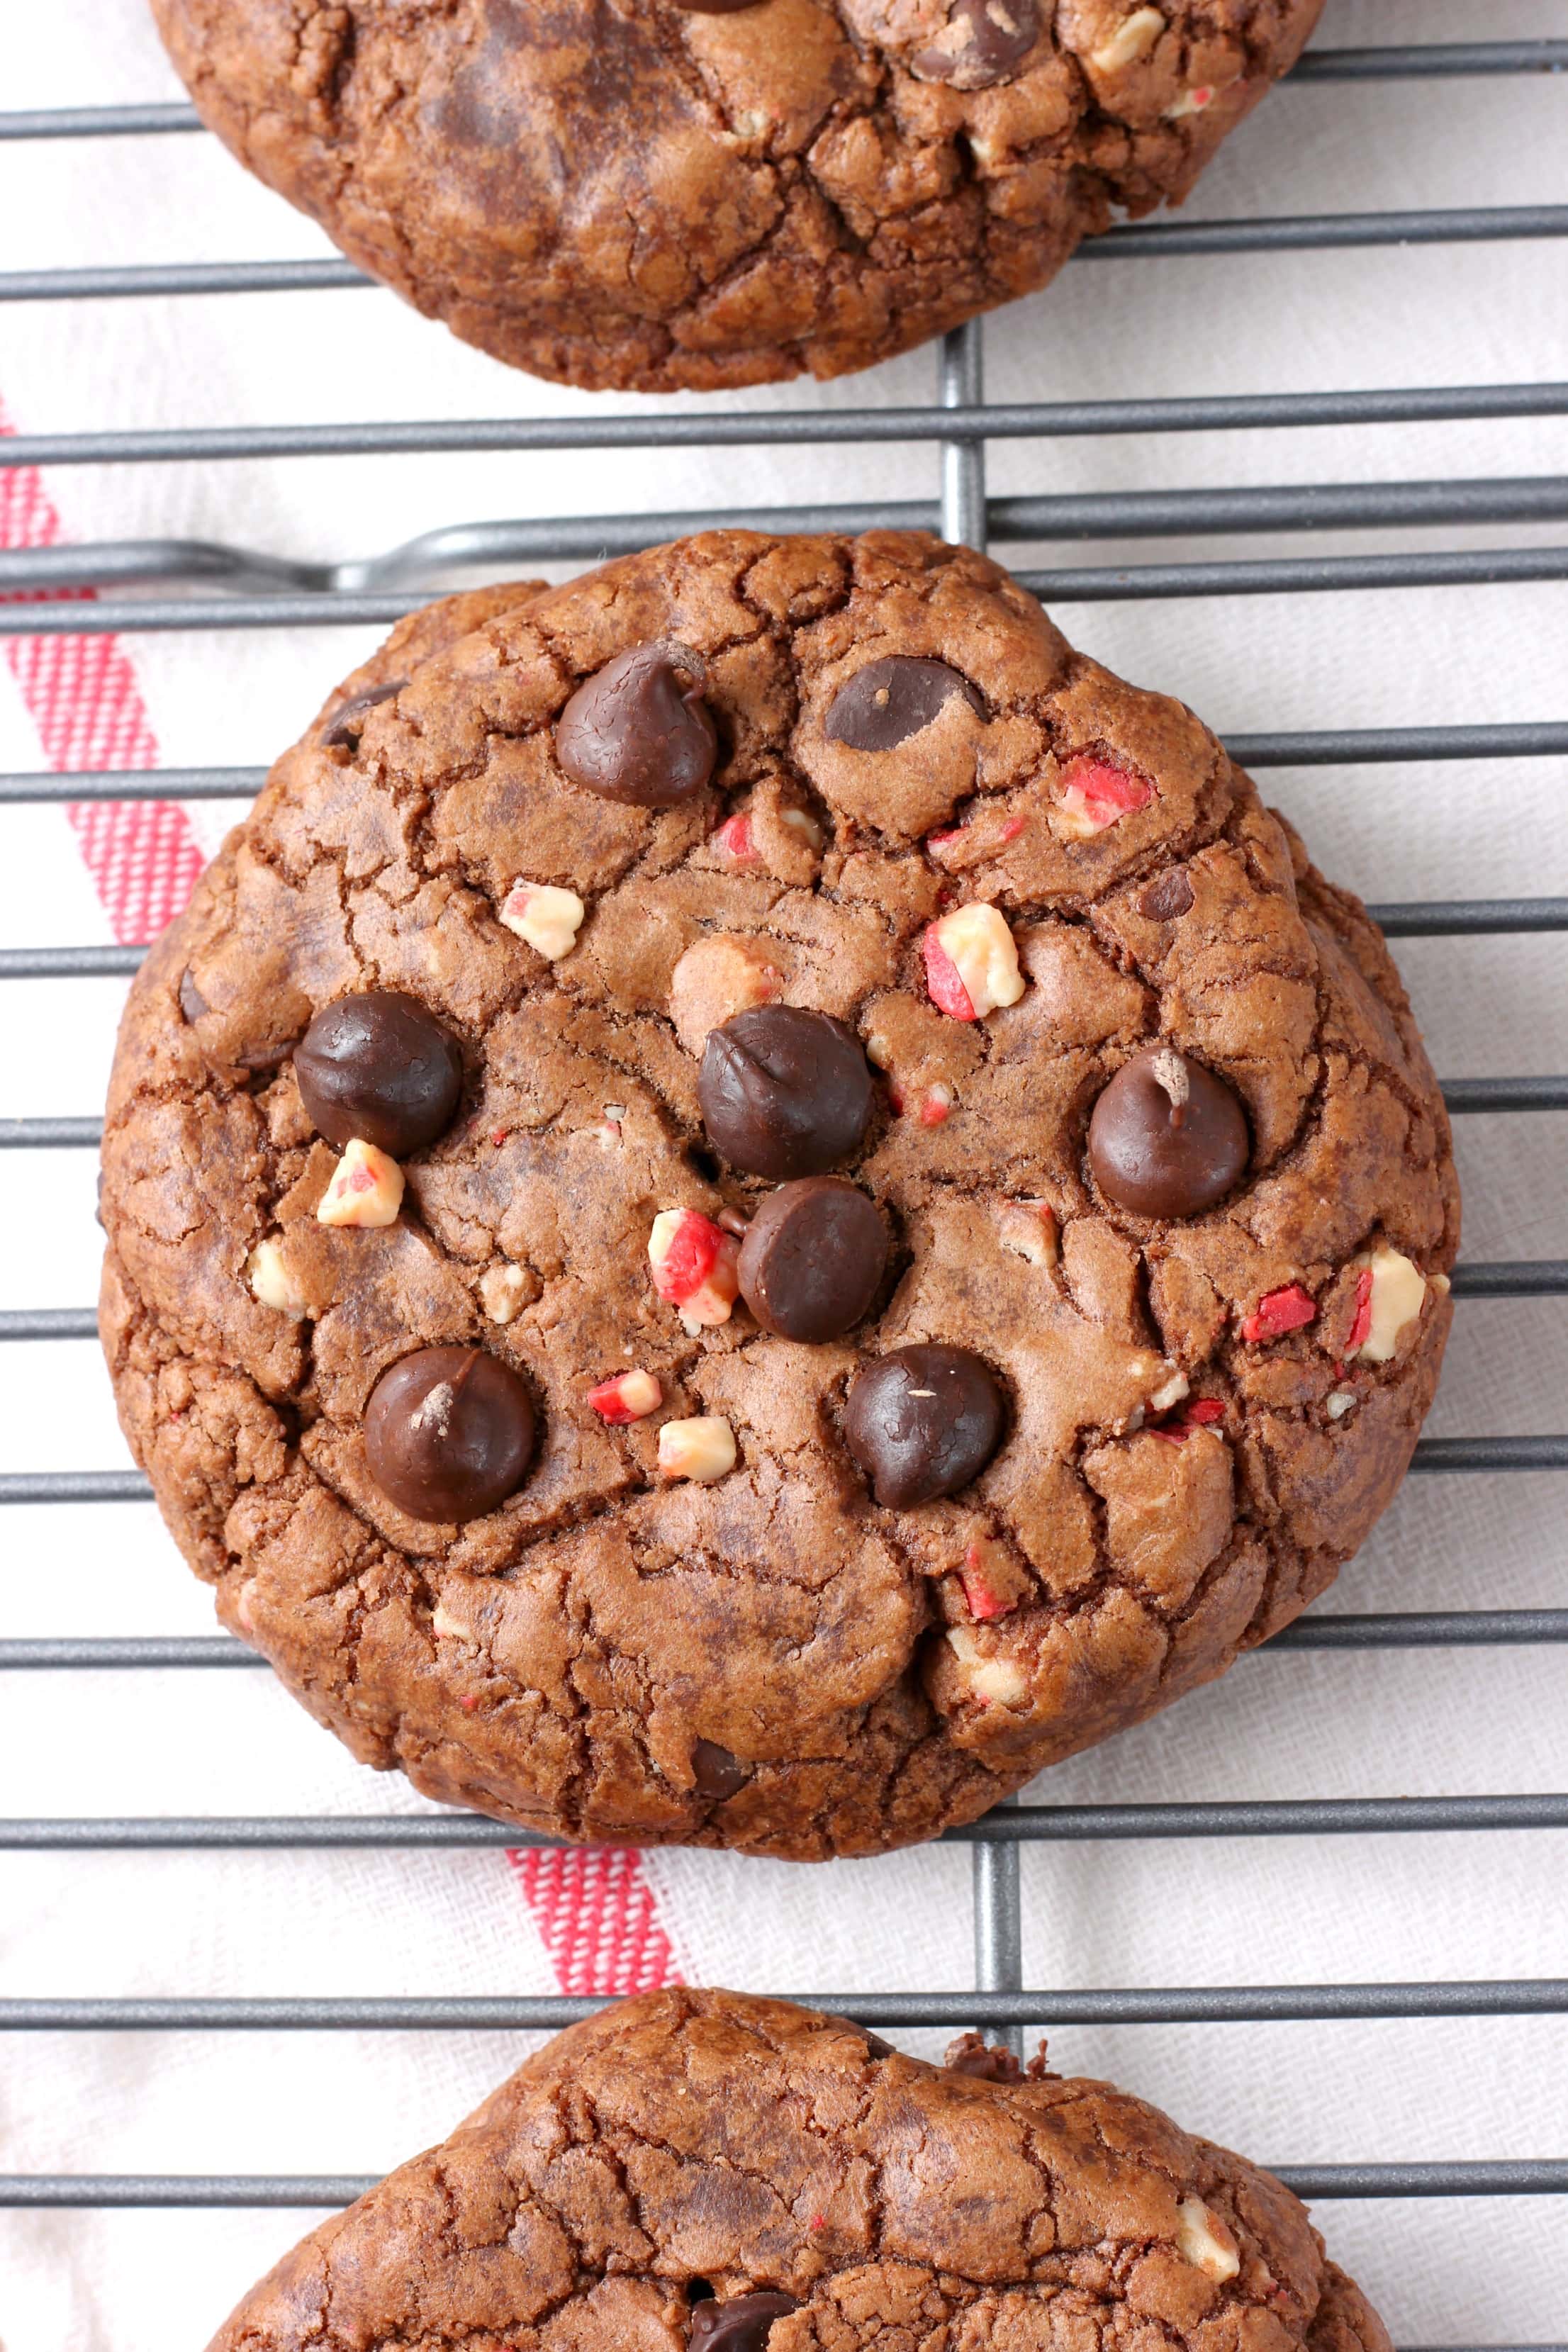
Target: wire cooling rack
256 592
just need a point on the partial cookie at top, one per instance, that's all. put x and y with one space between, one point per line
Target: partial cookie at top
646 195
892 1264
709 2172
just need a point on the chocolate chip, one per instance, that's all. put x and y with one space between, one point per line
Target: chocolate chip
971 2054
985 41
380 1066
813 1258
345 724
877 2048
890 700
449 1433
740 2324
1168 896
638 730
1168 1138
717 1773
193 1003
922 1422
784 1092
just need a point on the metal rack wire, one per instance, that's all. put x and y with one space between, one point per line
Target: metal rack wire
255 592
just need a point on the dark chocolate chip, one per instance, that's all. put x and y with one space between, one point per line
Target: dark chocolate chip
922 1422
784 1092
380 1066
449 1433
739 2325
1167 1139
971 2054
345 724
890 700
1168 896
193 1003
638 730
877 2048
985 41
813 1258
717 1773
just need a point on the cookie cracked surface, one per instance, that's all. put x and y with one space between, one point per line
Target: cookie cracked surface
691 2144
642 195
692 1620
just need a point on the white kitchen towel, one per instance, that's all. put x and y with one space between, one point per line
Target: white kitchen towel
1327 1909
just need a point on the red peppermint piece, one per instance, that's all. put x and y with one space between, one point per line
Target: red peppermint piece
737 841
1013 828
1362 1324
1279 1311
935 1105
1197 1415
1095 794
937 842
980 1596
689 1255
943 984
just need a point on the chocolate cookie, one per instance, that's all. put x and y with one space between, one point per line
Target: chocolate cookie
905 1256
708 2172
656 194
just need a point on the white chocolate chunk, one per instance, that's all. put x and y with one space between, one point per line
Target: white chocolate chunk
270 1281
702 1448
718 977
1133 39
366 1188
977 942
504 1290
1168 1393
1398 1293
1340 1402
801 821
548 918
995 1682
1205 2241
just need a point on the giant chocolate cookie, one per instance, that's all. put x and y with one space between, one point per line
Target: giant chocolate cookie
707 2170
754 1201
650 194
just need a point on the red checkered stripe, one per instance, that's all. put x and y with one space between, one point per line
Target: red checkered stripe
595 1910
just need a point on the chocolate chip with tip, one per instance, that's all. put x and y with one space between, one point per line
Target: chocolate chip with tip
890 700
784 1092
983 43
638 730
1167 897
717 1773
921 1423
381 1066
344 726
449 1433
740 2323
1167 1139
813 1258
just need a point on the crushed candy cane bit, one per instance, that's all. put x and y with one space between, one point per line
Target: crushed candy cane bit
1394 1293
702 1449
548 918
1200 1413
935 1105
983 1577
269 1279
1093 795
1191 101
738 842
366 1188
503 1292
1029 1229
694 1264
1290 1308
1205 2241
1133 39
630 1396
972 962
